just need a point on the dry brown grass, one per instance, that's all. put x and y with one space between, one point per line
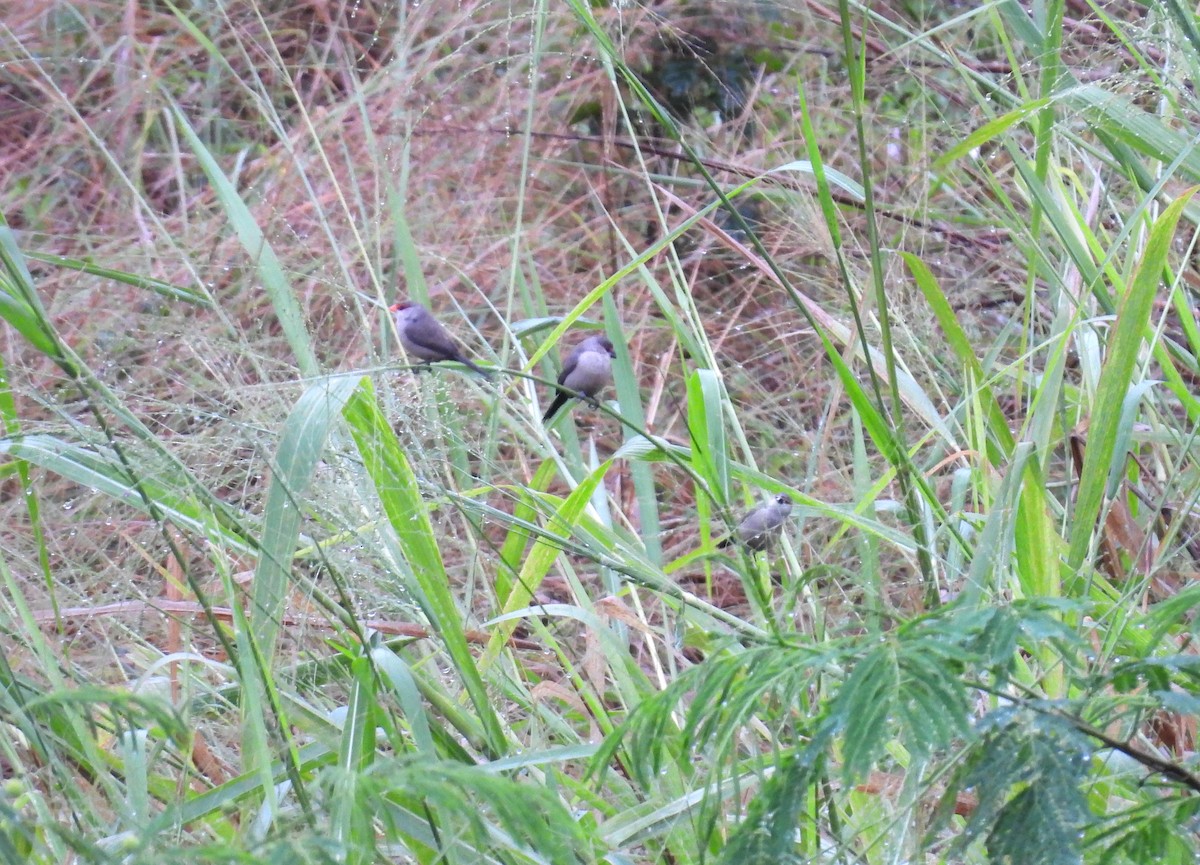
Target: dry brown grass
318 114
102 178
487 151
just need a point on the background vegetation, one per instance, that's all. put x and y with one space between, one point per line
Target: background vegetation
269 596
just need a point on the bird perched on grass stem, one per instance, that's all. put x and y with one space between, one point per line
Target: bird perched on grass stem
423 336
586 370
760 527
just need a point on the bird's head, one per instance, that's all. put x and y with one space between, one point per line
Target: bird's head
607 345
783 499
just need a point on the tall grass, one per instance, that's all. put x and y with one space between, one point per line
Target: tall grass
271 593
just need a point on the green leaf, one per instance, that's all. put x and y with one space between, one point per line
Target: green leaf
100 470
19 305
863 709
396 673
1027 768
1125 344
158 286
541 558
992 129
351 808
407 512
266 263
835 177
706 426
1132 125
300 447
964 350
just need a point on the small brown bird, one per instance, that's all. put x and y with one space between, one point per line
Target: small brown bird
424 337
586 370
760 527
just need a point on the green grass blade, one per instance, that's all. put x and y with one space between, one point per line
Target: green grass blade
994 128
397 675
541 558
101 471
266 263
19 304
706 425
162 289
1125 344
300 447
351 811
406 510
960 343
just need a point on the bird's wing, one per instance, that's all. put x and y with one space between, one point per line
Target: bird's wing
435 339
755 522
570 362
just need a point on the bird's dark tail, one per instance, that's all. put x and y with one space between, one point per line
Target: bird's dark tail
725 542
483 372
559 400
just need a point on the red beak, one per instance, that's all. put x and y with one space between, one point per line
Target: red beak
396 307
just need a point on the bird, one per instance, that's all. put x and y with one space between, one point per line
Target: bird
586 370
424 337
759 528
